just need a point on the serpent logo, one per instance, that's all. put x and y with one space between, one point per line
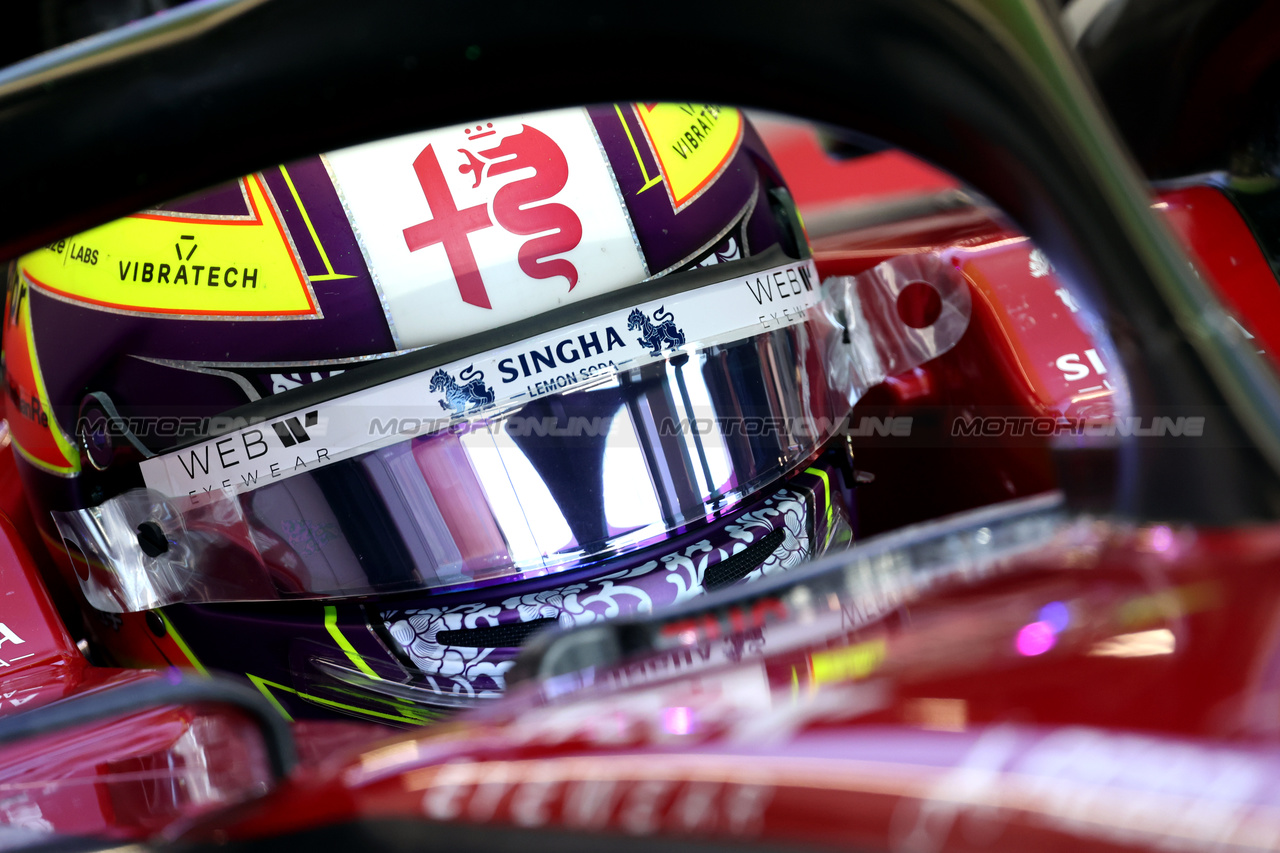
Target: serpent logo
514 206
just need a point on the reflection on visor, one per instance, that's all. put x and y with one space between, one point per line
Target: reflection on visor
559 481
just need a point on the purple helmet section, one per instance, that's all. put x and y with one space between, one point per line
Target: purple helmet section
224 200
667 237
110 346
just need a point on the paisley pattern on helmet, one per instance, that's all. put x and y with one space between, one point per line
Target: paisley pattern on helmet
670 579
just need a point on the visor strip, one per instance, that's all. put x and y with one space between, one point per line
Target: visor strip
420 404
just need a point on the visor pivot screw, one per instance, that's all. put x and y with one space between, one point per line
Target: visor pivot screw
151 539
156 624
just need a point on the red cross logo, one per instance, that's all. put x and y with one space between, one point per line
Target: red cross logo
450 227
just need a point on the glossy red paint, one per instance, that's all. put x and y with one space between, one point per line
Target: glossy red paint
39 661
1027 354
1005 365
1215 234
821 183
145 641
126 778
850 251
1029 319
131 777
1039 322
1150 721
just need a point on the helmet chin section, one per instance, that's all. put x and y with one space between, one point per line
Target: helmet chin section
414 658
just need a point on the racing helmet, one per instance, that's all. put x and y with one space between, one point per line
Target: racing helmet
356 426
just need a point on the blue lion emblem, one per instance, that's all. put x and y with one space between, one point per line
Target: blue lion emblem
471 393
657 332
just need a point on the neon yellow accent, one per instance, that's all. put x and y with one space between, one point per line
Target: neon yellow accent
848 664
644 173
262 684
330 275
40 463
232 267
795 684
693 143
182 644
826 485
331 625
406 707
69 453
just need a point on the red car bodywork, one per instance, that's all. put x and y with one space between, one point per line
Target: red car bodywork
1143 726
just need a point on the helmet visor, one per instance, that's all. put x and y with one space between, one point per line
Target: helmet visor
545 454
